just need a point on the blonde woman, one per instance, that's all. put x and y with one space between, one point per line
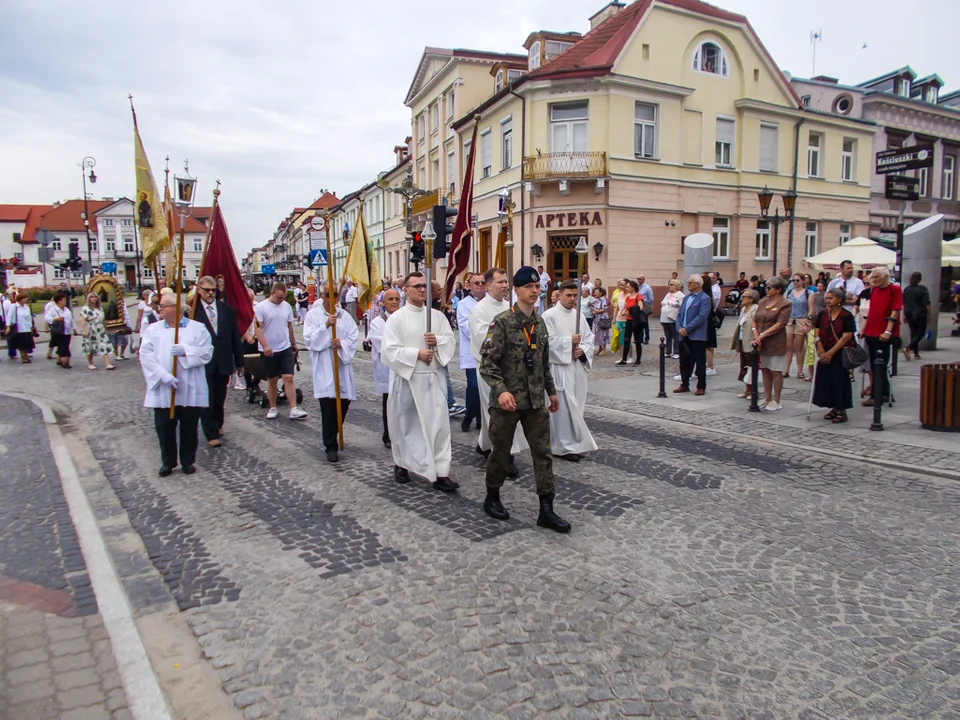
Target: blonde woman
95 338
669 307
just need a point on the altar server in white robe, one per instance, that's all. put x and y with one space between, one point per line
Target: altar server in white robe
381 373
417 402
571 355
318 337
192 352
481 316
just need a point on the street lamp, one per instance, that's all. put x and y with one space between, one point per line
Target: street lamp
789 203
582 250
87 162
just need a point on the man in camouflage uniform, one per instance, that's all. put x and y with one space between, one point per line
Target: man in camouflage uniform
515 363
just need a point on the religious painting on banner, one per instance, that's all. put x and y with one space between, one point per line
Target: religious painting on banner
154 234
114 309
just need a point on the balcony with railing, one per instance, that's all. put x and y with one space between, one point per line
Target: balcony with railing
126 254
564 167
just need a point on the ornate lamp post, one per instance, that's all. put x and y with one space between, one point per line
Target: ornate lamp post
789 203
186 186
87 162
408 191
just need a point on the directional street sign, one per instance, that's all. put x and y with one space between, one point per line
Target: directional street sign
904 158
108 267
318 239
318 258
902 187
268 269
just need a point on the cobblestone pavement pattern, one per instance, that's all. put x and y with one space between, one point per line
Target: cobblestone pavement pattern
55 657
705 576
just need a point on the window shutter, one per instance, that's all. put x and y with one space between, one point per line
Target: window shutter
768 147
725 131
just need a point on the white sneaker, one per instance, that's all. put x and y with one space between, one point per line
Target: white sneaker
240 384
711 371
297 414
272 414
678 378
773 407
675 356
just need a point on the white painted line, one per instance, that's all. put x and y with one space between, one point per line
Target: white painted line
144 696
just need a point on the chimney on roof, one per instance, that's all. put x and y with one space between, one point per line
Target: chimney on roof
826 79
107 199
56 204
607 11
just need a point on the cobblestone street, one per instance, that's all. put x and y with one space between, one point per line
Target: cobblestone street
706 575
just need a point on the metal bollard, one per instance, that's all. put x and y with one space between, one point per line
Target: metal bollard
754 381
663 368
879 377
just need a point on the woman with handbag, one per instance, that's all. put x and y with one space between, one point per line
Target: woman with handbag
601 319
60 320
742 334
633 325
833 335
20 328
669 307
770 340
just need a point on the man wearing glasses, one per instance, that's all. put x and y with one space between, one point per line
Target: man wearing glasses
478 290
417 402
221 322
318 331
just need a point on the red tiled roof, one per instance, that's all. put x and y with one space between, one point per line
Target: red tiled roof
599 49
17 213
66 216
32 223
325 201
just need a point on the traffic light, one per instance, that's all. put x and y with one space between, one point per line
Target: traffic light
416 248
441 216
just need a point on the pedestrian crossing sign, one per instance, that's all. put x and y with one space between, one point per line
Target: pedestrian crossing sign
318 258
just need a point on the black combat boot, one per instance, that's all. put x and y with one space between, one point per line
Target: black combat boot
445 484
493 507
485 453
512 470
548 518
400 474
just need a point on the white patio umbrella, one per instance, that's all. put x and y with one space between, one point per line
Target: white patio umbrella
864 253
951 253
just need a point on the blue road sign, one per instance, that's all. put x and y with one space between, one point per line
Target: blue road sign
268 269
318 258
108 267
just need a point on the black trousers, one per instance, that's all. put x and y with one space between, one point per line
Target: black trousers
693 354
473 395
61 342
386 425
645 327
670 337
187 418
211 417
634 329
328 421
873 346
918 328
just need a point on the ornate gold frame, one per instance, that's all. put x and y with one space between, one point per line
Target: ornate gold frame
107 283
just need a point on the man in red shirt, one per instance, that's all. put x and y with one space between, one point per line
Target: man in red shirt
883 323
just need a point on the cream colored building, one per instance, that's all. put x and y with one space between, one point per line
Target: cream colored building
665 119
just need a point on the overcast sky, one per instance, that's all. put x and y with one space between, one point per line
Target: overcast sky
280 99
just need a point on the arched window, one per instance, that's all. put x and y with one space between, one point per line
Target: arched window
498 84
534 62
709 58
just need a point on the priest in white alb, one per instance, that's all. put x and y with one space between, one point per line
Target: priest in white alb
571 355
381 373
483 313
318 337
417 402
158 352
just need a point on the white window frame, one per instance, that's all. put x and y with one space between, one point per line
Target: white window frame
498 81
572 123
506 143
923 175
846 232
721 238
451 102
421 127
59 274
814 166
93 244
558 48
147 273
451 171
948 176
108 222
128 245
56 244
723 150
533 61
197 245
111 245
930 94
127 222
765 132
640 128
763 240
847 159
435 117
811 239
723 65
513 75
486 153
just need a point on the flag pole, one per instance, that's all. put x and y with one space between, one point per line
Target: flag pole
332 310
176 328
206 245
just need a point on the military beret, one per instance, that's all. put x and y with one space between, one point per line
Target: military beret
525 276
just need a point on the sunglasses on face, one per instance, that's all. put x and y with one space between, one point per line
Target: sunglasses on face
417 287
208 289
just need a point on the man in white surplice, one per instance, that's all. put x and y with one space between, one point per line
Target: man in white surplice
481 316
192 352
381 373
417 402
571 354
318 337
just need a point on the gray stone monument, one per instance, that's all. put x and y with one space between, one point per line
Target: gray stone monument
922 249
697 256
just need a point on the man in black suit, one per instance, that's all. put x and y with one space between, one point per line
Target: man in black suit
221 323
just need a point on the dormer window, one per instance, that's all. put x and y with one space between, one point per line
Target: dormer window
498 83
903 87
554 48
930 95
534 62
709 58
